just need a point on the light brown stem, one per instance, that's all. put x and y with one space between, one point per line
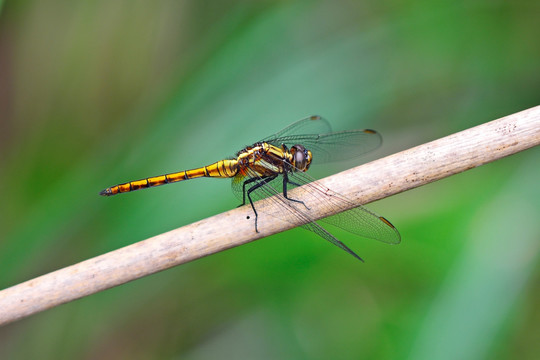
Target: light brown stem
363 184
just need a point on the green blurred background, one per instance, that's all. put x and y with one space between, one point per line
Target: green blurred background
93 93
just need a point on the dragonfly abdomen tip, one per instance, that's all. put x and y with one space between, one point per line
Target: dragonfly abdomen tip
106 192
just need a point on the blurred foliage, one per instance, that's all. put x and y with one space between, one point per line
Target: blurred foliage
93 93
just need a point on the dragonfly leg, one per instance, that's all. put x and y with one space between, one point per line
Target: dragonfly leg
261 182
287 181
248 181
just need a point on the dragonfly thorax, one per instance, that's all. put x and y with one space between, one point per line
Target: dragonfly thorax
252 154
266 159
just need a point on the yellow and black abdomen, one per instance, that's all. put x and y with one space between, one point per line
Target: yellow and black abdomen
220 169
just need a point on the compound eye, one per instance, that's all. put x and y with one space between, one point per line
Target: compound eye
300 155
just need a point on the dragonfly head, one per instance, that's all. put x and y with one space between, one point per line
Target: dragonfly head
301 158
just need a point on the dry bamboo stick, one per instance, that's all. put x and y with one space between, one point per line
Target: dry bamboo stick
363 184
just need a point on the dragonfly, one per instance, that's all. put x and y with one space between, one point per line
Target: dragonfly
276 164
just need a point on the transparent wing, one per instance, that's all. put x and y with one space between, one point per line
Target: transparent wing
335 146
292 213
314 134
352 218
312 125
